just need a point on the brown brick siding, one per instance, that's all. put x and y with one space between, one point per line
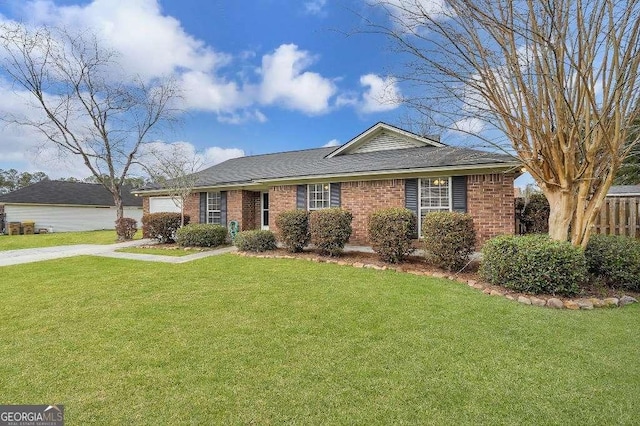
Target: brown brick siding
364 197
490 203
145 205
192 207
281 198
241 206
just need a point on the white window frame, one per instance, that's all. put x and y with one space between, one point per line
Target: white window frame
326 200
211 212
263 210
433 209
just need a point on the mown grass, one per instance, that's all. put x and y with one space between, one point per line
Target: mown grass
158 251
242 340
14 242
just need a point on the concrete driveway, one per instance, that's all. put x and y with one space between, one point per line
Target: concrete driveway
17 257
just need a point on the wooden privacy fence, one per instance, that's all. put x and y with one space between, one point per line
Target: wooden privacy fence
619 216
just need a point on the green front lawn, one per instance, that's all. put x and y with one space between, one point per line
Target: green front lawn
240 340
13 242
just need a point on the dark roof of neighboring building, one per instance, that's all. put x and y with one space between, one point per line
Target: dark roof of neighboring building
59 192
313 162
624 190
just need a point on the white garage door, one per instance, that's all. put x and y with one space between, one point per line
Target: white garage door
64 219
163 204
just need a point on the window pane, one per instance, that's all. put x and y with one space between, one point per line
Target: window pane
319 195
213 208
434 195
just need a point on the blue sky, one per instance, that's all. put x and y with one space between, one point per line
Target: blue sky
257 75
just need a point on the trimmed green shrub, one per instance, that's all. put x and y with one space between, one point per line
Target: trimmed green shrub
126 227
162 226
256 240
449 239
614 259
201 235
534 214
293 229
534 264
391 233
330 230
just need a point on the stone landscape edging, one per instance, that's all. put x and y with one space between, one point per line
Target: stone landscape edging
552 302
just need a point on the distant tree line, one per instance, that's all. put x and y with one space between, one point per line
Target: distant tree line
12 179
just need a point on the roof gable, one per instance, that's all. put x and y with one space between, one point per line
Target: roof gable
383 137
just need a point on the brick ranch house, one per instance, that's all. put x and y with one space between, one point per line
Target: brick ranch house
382 167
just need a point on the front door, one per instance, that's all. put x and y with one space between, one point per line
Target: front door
264 210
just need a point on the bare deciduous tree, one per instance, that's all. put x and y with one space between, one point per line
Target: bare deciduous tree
173 168
85 108
558 78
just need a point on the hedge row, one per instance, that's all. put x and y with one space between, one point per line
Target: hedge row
255 240
328 229
391 233
162 226
534 264
201 235
615 260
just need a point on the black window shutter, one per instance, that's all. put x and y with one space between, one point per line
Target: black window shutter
335 194
223 208
301 197
459 193
203 208
411 199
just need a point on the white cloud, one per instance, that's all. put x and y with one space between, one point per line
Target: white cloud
285 82
469 125
187 152
150 43
202 91
382 94
214 155
235 87
410 14
243 116
332 142
315 7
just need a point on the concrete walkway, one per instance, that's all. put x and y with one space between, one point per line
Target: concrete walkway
17 257
167 259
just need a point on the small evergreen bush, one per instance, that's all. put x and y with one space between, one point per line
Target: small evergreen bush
534 264
293 229
126 227
615 260
330 230
391 233
201 235
257 240
449 239
534 215
162 226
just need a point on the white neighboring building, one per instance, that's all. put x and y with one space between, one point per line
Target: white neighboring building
66 206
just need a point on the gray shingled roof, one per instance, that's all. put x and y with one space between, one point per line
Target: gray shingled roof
312 162
624 190
58 192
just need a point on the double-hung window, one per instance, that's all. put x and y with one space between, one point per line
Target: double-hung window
214 202
319 196
434 196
